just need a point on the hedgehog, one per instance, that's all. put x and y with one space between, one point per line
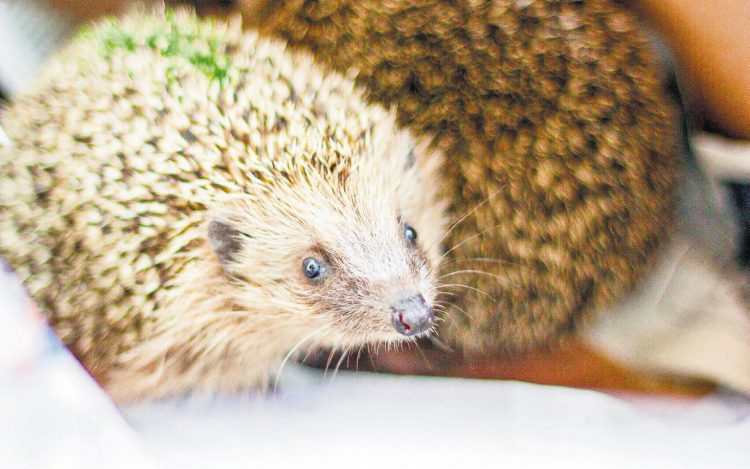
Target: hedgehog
561 145
191 206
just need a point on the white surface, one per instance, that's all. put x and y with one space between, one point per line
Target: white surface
55 417
364 420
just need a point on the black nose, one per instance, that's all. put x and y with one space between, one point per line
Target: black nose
412 315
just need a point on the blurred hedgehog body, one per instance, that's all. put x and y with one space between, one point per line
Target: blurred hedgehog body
561 144
188 204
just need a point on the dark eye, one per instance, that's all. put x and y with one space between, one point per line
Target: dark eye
410 234
312 268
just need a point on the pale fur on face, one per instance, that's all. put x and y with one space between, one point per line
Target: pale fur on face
353 223
233 322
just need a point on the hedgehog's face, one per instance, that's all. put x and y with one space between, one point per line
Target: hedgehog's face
352 254
376 284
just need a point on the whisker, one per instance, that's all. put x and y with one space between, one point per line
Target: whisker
470 288
338 364
468 271
291 352
315 344
356 364
424 358
452 319
441 345
483 259
439 292
474 236
369 356
328 362
464 217
468 316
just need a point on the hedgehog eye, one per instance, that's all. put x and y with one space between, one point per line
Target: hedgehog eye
312 268
410 234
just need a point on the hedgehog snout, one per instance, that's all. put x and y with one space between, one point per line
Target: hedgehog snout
412 315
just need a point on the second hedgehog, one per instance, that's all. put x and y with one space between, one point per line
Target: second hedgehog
189 204
560 141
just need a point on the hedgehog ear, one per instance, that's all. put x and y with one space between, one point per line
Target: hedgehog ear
411 159
225 240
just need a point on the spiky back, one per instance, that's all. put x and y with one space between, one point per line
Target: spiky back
129 136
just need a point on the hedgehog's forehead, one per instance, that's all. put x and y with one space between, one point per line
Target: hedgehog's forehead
340 203
360 230
339 185
346 199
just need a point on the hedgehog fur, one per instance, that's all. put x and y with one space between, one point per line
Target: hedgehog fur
561 144
166 179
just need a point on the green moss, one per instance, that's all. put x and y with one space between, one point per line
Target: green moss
210 64
119 40
173 36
